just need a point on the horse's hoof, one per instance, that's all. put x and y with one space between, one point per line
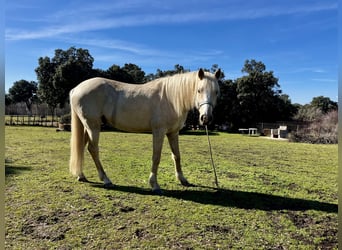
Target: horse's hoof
187 184
82 179
157 191
108 185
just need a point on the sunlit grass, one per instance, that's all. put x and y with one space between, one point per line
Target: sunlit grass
273 194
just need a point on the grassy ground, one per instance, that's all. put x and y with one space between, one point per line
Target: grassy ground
274 194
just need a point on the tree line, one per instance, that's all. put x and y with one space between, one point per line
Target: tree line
254 97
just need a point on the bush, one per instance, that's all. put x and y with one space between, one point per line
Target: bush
321 131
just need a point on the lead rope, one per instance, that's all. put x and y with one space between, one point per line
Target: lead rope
211 157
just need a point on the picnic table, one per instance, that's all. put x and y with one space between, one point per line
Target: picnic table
252 131
243 130
249 131
280 132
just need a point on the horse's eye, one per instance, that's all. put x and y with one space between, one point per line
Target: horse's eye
199 91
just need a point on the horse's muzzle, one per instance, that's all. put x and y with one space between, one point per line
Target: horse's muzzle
206 119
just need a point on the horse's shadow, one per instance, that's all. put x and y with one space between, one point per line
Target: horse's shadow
15 170
234 198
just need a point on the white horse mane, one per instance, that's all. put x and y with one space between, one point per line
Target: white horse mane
180 90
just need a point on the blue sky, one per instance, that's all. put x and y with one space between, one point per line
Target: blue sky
297 40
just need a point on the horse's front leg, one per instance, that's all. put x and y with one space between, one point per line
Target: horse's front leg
174 145
158 139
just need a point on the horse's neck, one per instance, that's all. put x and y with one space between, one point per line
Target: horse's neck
181 91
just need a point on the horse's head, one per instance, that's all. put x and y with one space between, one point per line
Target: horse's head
206 96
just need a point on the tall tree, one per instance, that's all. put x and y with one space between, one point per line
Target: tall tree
178 69
23 91
316 109
129 73
227 110
72 67
8 100
57 76
135 72
257 92
284 108
115 72
47 92
325 104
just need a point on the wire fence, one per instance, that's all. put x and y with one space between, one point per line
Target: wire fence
31 120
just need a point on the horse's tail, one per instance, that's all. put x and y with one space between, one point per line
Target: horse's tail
77 144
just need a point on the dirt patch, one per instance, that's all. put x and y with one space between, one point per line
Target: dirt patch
140 233
276 220
232 175
270 180
292 186
217 229
97 216
330 239
47 226
301 220
89 198
323 229
126 209
119 204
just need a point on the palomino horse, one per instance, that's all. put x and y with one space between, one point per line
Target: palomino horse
159 106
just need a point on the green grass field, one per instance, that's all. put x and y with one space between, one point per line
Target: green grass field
273 194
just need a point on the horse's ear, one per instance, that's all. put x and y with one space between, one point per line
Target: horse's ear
201 73
218 74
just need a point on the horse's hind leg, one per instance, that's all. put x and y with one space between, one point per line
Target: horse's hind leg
158 138
93 148
174 145
81 177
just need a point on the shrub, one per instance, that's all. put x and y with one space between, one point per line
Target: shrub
323 130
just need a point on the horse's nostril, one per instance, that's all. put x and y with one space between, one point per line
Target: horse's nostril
204 119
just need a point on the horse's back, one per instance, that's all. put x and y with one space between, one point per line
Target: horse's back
90 87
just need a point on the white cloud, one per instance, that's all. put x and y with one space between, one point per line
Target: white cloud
115 44
325 80
118 14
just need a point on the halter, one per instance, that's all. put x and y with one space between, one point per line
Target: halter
204 103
